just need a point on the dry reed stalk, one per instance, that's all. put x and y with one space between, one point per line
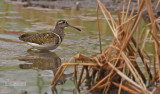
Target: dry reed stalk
123 10
127 11
133 27
132 31
154 71
106 89
99 32
61 74
125 88
157 45
144 40
85 76
157 4
101 81
128 79
133 87
103 85
128 27
110 50
110 63
75 73
79 82
119 90
120 86
69 64
142 32
157 90
135 63
153 91
133 71
104 11
138 3
119 20
153 81
105 78
54 79
143 59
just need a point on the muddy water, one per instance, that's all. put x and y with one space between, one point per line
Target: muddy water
33 72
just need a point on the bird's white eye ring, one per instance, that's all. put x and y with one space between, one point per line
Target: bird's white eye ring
61 22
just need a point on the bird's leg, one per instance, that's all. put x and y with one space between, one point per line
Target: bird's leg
30 49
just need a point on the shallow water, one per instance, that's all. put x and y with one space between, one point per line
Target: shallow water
33 72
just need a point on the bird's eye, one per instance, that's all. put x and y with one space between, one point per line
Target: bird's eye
64 22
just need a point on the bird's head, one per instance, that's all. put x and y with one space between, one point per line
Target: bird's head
64 23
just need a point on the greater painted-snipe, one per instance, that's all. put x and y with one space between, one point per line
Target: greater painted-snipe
48 40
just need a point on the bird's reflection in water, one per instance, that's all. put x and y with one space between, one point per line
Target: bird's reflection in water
43 61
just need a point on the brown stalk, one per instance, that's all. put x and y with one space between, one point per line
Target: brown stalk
133 71
69 64
79 82
143 59
138 3
128 25
119 20
132 31
125 88
133 88
101 81
125 77
119 53
103 85
110 50
157 4
127 10
144 40
75 73
61 74
123 10
106 88
85 76
104 11
135 63
157 45
119 90
153 81
99 29
135 25
157 90
53 81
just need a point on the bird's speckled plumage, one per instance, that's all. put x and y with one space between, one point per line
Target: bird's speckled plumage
40 39
49 40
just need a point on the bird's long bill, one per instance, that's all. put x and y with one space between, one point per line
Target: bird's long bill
74 27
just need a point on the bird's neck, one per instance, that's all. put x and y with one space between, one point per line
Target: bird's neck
59 30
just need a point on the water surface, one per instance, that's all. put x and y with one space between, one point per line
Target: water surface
33 72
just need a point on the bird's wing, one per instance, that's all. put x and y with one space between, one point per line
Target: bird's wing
41 38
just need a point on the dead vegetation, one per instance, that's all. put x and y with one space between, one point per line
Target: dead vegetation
117 64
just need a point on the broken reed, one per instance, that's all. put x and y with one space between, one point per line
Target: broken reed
118 61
